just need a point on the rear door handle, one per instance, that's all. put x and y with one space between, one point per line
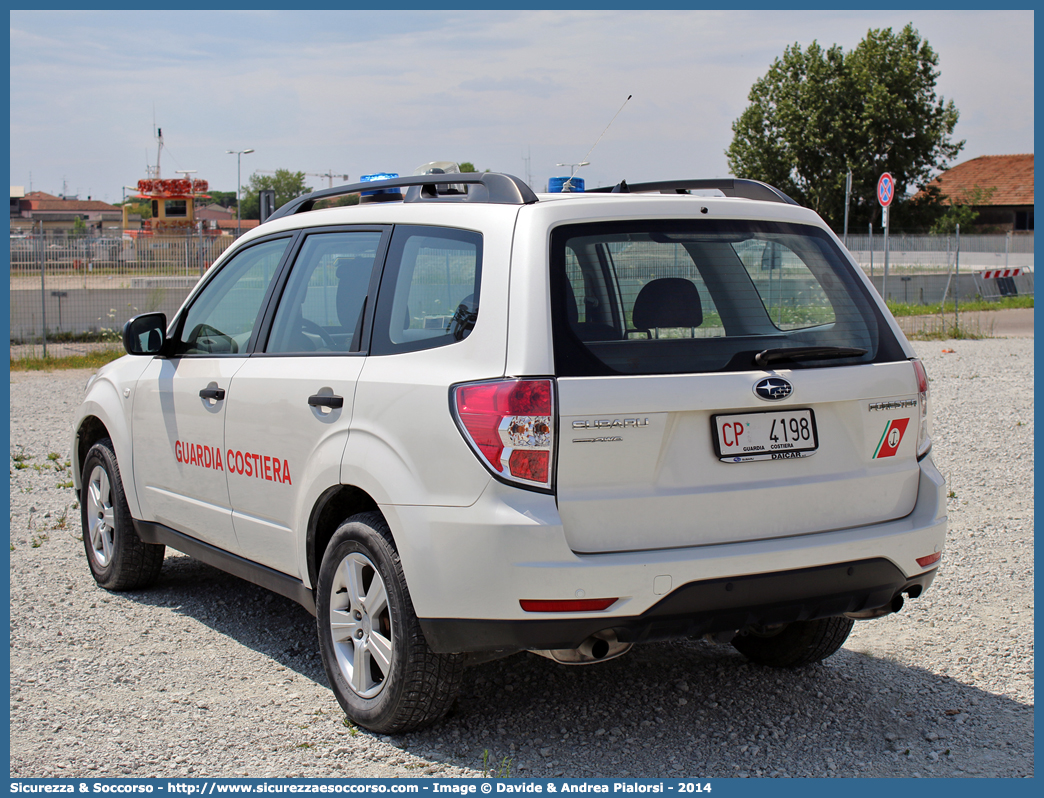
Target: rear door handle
213 393
326 401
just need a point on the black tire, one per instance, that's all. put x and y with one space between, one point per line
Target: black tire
796 644
118 558
381 669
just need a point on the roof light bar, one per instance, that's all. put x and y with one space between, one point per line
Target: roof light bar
381 195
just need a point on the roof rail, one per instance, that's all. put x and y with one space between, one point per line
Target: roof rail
729 186
495 188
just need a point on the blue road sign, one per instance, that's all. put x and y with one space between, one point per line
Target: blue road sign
885 190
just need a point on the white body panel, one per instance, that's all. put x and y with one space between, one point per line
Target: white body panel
511 545
109 398
659 484
179 453
404 447
268 416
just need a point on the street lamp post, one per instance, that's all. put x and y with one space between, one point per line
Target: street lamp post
239 158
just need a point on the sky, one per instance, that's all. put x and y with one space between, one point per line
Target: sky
355 92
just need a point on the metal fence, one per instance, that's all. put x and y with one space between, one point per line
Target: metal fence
924 269
930 253
67 288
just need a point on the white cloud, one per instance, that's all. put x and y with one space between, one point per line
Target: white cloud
360 91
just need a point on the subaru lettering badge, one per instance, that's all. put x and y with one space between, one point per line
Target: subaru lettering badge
773 388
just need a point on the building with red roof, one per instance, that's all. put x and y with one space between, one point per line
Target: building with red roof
39 210
1009 206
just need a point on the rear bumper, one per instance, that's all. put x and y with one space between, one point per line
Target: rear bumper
468 568
713 605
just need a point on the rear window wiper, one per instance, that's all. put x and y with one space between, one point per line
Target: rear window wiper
782 354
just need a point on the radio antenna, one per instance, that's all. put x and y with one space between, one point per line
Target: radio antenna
584 161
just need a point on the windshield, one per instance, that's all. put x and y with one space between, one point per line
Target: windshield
666 297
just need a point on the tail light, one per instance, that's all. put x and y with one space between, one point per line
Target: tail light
931 559
566 605
924 437
511 426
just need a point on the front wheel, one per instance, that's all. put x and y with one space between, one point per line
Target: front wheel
796 644
118 558
380 667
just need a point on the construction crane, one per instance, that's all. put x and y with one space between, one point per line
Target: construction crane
328 175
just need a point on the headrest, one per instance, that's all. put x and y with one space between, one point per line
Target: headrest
667 302
345 266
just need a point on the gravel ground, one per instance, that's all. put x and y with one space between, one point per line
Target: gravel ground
207 675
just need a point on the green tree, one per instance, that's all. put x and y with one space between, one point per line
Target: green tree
337 202
286 184
819 112
920 211
226 199
79 228
467 166
144 209
960 210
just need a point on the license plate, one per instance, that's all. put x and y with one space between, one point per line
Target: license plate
774 435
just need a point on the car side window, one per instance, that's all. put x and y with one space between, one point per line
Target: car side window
321 308
222 317
429 293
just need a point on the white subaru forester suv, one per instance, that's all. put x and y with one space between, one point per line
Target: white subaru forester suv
460 420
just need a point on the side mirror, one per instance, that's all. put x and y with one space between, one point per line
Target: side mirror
145 334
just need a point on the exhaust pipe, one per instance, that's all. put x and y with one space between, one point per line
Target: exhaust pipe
894 605
599 647
594 648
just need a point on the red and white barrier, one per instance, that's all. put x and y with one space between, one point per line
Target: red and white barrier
992 274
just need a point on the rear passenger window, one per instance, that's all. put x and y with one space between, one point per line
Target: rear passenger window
429 293
321 308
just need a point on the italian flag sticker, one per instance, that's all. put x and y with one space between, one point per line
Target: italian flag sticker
893 436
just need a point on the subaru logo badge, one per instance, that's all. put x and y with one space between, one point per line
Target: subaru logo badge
773 388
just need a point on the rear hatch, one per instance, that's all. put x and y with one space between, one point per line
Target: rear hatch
723 381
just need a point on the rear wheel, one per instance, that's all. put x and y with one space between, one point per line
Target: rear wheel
118 558
795 644
379 665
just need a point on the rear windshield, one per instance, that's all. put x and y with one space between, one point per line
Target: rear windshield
671 297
